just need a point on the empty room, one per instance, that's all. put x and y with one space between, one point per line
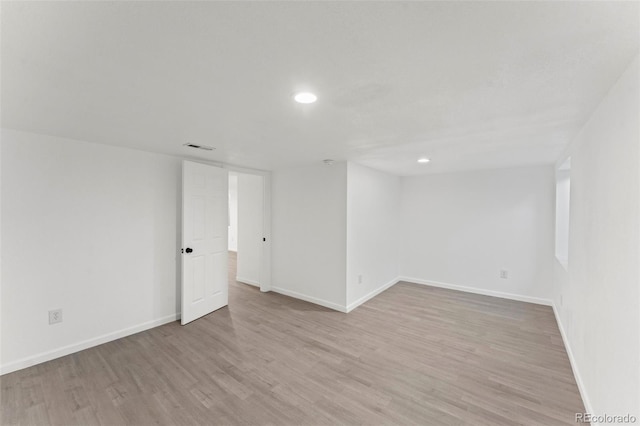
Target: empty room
319 213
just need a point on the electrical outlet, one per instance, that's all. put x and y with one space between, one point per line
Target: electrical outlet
55 316
359 279
504 274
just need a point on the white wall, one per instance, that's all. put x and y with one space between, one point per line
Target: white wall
373 229
93 230
233 211
598 298
461 229
563 197
309 233
1 293
250 233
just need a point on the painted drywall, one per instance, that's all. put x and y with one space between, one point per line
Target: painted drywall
309 233
476 83
563 197
94 231
462 229
250 232
233 211
597 299
2 294
373 230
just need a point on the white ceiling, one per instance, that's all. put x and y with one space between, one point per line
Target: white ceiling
470 85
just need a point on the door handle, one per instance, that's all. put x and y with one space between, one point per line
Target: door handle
188 250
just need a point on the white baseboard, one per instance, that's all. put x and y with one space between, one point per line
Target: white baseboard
85 344
371 295
248 281
321 302
518 297
574 366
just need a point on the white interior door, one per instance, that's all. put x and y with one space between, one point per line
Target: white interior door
205 197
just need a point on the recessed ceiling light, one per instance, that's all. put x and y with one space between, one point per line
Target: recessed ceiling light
423 160
305 98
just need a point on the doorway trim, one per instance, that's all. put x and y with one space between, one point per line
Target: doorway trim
265 255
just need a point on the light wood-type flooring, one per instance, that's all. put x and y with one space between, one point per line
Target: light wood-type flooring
412 355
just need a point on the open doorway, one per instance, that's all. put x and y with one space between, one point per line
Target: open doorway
246 228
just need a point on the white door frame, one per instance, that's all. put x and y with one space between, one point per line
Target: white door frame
265 258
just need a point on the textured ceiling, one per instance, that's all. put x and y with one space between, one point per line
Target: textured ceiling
470 85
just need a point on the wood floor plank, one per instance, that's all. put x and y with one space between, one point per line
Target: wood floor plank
412 355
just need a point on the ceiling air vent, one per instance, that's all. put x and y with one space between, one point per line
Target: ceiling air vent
205 147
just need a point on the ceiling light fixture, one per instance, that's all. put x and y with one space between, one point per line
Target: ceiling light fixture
423 160
305 98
